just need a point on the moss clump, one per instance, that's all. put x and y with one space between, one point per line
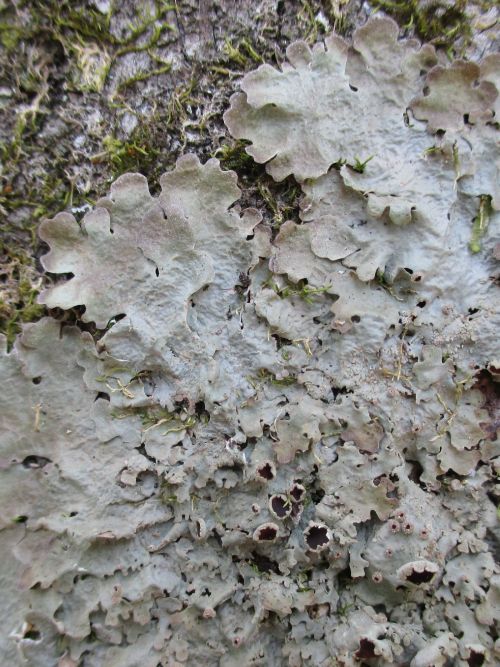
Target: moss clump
124 156
167 493
86 36
163 66
144 151
279 198
264 377
242 54
19 288
439 22
234 156
301 289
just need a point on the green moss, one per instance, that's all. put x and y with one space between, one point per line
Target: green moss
91 24
143 76
480 224
154 417
140 152
180 98
311 27
281 199
300 289
123 155
264 377
360 165
41 199
10 36
26 122
18 292
243 54
85 36
439 22
234 155
303 580
167 493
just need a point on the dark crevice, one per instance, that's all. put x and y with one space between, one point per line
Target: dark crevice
34 461
264 564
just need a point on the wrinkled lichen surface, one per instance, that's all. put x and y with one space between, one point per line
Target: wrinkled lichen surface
272 446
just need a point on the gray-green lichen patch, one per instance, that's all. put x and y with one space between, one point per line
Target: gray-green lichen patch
181 315
279 448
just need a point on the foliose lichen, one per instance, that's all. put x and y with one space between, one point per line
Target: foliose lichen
276 448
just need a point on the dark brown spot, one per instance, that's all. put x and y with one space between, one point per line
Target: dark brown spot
266 471
316 537
280 506
267 534
475 659
366 650
297 492
420 577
